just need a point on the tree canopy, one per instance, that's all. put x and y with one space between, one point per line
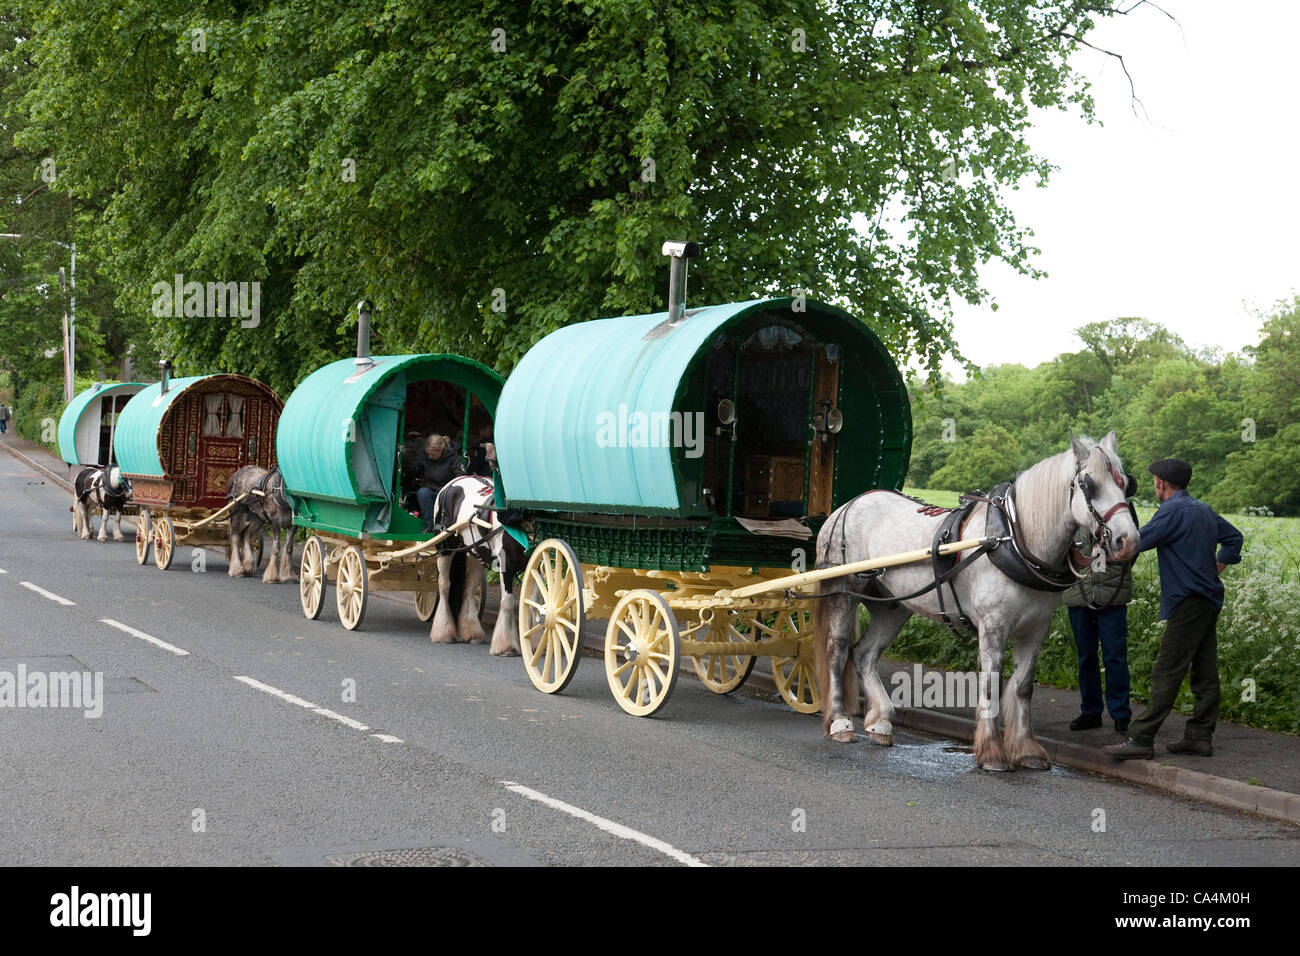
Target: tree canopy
487 171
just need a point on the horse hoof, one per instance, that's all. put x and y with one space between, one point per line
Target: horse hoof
996 766
1034 763
884 740
508 652
843 737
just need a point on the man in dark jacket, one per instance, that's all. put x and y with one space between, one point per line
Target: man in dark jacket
1184 531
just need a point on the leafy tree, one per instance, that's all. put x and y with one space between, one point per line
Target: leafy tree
992 454
1119 343
488 171
40 224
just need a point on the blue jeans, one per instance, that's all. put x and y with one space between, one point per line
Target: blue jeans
1109 627
426 497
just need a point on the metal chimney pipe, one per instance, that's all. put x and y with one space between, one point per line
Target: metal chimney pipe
364 308
165 375
680 253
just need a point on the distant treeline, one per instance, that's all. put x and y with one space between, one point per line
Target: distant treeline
1235 417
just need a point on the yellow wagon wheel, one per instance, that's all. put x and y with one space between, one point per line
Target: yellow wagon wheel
164 542
643 653
311 578
723 673
351 587
426 601
142 537
796 676
551 616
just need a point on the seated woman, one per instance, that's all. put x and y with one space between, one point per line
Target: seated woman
438 463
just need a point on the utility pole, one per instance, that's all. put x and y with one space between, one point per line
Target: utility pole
67 353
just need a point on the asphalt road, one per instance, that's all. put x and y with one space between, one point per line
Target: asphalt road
449 754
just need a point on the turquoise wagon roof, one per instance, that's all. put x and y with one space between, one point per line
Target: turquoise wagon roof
338 435
135 442
549 441
70 423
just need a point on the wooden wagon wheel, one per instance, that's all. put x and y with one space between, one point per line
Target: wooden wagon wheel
351 587
311 578
164 542
723 673
142 536
551 616
643 653
796 676
426 602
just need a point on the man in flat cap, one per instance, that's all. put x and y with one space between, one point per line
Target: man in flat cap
1184 531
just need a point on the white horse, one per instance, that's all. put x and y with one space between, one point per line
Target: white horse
461 558
1008 592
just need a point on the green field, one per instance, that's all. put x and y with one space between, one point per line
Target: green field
1258 631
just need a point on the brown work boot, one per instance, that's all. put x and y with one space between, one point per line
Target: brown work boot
1201 748
1129 750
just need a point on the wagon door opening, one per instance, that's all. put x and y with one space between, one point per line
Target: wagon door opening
767 384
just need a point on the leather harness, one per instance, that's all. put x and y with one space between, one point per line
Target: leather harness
1002 526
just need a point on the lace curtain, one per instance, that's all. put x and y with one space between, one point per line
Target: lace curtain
212 414
235 426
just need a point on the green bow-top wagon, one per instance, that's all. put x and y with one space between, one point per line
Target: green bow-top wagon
348 435
664 458
178 441
87 425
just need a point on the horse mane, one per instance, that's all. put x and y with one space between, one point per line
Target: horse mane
1043 495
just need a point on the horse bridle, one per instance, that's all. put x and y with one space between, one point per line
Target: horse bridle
1084 485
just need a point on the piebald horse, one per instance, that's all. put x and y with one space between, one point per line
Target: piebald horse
482 542
1036 518
102 489
265 503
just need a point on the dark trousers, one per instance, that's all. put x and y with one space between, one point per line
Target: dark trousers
1109 628
1190 641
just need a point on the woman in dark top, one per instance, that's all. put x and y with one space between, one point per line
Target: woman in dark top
438 464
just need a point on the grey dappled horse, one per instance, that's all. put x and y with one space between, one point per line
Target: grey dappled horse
265 503
1082 487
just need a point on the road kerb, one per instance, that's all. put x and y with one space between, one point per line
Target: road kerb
1203 787
31 463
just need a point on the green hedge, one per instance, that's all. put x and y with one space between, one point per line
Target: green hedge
43 402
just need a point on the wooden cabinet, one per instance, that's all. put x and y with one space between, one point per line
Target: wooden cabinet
771 480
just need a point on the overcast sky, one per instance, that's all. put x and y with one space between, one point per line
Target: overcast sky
1189 215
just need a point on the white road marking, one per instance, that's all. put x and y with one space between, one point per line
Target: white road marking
3 571
346 721
48 594
143 636
315 709
609 826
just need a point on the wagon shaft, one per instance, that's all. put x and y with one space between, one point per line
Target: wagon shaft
795 581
